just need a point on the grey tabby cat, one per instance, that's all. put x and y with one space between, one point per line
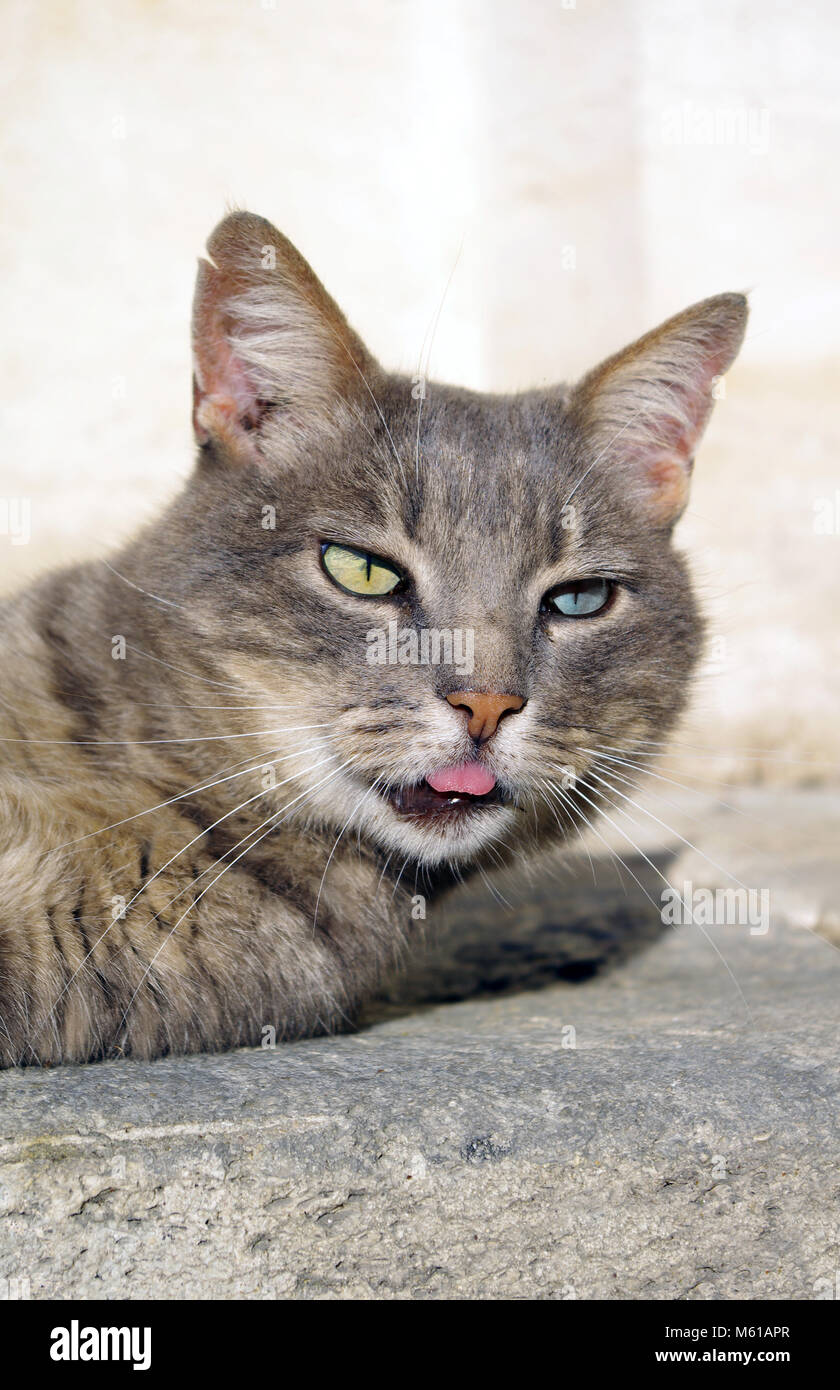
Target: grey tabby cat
214 803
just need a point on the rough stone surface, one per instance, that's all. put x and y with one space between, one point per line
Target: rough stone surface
565 1099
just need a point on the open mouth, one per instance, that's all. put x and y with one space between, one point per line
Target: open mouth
450 794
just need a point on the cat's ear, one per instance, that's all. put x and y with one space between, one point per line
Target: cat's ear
645 409
267 339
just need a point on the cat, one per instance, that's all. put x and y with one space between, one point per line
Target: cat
214 802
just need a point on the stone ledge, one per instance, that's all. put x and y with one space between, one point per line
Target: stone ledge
686 1146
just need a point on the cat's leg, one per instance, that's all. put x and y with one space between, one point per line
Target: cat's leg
140 943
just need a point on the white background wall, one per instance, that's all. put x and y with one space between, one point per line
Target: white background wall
586 169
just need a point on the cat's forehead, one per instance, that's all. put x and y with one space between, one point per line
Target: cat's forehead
484 438
493 463
467 476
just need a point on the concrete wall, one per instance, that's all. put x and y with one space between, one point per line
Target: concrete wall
572 172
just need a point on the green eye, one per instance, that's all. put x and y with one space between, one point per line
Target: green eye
580 599
359 572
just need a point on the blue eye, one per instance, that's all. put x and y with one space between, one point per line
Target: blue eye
580 599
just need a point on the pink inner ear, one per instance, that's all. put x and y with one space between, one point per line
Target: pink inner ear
666 455
222 390
693 406
668 476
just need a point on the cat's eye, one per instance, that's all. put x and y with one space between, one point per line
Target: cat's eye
582 598
358 572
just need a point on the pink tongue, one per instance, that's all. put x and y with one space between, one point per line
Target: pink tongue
469 777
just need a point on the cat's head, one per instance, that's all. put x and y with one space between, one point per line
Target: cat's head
462 597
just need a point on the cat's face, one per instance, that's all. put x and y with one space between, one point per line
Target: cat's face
466 597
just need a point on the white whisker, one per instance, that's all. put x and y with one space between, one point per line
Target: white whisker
206 890
201 834
687 911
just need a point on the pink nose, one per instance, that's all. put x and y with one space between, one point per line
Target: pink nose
484 710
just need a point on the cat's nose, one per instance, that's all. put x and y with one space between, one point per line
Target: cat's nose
484 710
